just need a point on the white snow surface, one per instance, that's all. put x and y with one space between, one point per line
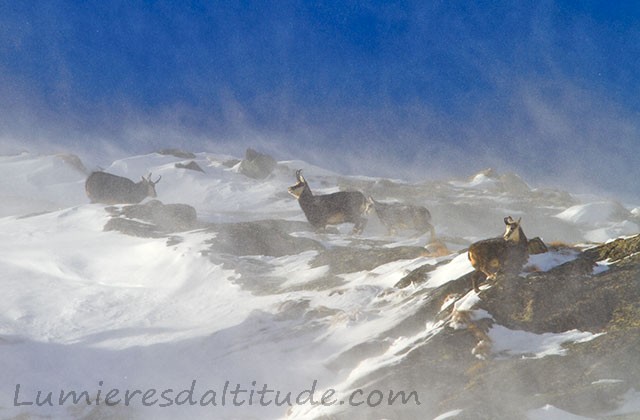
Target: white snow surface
89 310
529 345
549 412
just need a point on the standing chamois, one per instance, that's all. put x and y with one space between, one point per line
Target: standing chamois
396 216
506 254
330 209
102 187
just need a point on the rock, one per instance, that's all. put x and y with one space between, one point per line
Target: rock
588 380
231 163
191 165
177 153
513 184
615 250
74 161
415 277
536 246
133 228
343 260
152 218
258 238
257 165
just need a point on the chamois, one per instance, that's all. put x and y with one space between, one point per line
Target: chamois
330 209
102 187
506 254
402 216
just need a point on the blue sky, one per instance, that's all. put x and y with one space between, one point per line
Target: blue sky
412 89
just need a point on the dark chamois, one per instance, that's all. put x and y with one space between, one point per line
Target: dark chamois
506 254
330 209
102 187
396 216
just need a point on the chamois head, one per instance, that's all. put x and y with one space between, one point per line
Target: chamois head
512 231
297 189
150 185
369 205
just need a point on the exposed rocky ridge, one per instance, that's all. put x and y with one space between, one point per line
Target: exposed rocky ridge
258 238
588 379
567 297
343 260
193 166
152 219
155 219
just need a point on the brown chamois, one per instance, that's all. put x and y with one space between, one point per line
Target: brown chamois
506 254
330 209
102 187
396 216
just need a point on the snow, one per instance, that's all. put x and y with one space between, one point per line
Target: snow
593 214
529 345
551 259
479 181
601 220
458 267
449 415
630 404
38 183
85 309
549 412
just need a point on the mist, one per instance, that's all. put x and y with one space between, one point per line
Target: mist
409 92
570 138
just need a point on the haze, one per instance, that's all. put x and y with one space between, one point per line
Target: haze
401 89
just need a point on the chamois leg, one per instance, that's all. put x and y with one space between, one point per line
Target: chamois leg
432 233
326 230
359 226
421 230
477 277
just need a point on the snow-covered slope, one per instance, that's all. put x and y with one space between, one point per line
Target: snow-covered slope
88 310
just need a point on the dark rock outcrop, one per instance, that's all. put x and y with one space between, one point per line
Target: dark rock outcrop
231 163
267 237
152 219
536 246
191 166
456 369
177 153
257 165
343 260
74 161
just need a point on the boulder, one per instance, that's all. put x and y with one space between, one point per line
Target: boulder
152 218
177 153
264 237
257 165
74 161
191 166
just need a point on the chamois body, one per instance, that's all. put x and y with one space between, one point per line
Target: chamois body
330 209
102 187
506 254
396 216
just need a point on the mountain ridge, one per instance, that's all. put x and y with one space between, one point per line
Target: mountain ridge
222 268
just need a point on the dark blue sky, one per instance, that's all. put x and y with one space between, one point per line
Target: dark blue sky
550 89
